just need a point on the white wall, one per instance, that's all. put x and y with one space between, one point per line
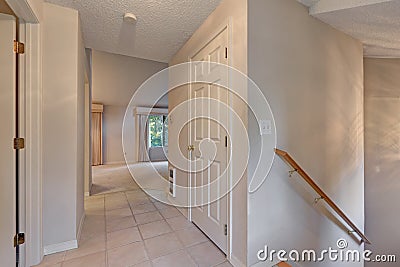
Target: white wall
80 116
63 125
115 79
312 76
113 117
382 151
88 121
37 7
236 11
88 161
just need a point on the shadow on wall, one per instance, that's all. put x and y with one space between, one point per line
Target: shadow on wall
382 152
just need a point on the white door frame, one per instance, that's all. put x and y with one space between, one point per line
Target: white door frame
30 69
228 25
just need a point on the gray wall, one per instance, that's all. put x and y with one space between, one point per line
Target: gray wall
115 79
63 125
312 76
382 155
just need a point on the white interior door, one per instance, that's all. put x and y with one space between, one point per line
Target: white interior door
208 135
7 133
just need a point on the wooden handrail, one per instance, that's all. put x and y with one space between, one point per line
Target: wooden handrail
287 158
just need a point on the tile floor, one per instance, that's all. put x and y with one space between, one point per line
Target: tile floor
131 229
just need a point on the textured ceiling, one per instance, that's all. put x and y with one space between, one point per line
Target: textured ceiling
161 30
377 26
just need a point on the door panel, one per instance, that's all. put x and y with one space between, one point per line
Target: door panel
7 133
207 134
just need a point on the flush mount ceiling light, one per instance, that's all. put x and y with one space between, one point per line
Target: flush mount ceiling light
130 18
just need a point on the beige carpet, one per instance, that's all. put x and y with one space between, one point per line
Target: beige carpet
117 178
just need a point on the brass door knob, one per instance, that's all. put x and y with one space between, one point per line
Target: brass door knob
190 147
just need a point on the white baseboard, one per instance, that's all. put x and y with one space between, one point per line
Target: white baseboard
64 246
78 237
236 262
114 163
68 245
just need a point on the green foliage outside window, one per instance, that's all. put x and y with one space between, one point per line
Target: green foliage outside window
158 131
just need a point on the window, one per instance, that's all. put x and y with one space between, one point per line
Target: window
158 131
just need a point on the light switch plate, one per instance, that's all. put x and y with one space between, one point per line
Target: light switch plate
265 127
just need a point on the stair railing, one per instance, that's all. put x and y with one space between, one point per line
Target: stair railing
323 196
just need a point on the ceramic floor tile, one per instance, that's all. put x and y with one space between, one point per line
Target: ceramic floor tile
206 254
139 201
123 237
88 246
94 198
162 245
118 213
98 205
96 212
154 200
161 206
136 195
178 259
120 223
93 219
92 260
50 260
92 226
191 236
127 255
148 217
143 264
116 195
154 229
179 223
49 265
94 204
170 212
224 264
116 203
143 208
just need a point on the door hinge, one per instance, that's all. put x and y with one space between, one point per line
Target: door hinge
226 52
19 239
19 48
19 143
225 229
